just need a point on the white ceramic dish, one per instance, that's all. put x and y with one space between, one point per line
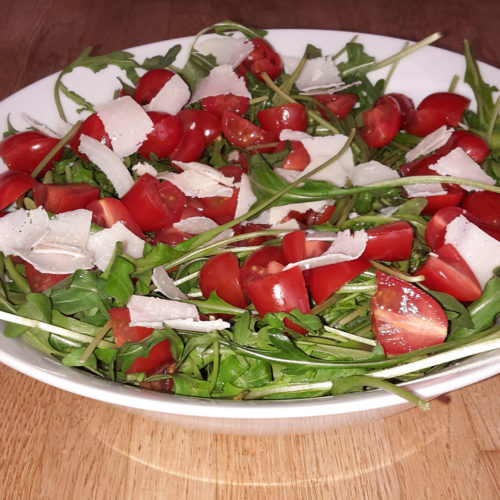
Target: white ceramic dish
428 70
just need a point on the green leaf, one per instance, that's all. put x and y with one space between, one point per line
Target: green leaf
175 342
312 52
241 329
156 256
130 351
455 311
356 58
162 61
215 305
118 283
197 67
37 306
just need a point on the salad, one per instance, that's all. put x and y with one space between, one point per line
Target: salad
255 226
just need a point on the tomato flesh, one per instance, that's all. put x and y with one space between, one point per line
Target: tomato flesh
381 123
448 272
38 281
198 119
58 198
221 274
92 127
484 205
291 116
150 84
297 248
338 104
25 150
227 102
389 242
256 264
243 133
14 184
297 159
165 136
476 147
262 59
404 318
108 211
122 332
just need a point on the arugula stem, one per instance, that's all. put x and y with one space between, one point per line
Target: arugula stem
67 137
492 122
91 347
350 336
269 391
392 69
396 273
215 367
16 277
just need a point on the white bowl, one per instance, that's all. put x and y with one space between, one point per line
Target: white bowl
428 70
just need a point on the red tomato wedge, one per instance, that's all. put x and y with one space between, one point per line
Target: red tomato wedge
14 184
202 121
338 104
476 147
150 84
39 282
221 274
58 198
484 205
227 102
25 150
243 133
107 211
256 265
219 208
406 106
291 116
436 227
164 137
449 273
389 242
92 127
262 59
325 280
404 318
279 292
297 159
381 123
122 332
296 247
436 110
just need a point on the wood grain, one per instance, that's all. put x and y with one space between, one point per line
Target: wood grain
55 445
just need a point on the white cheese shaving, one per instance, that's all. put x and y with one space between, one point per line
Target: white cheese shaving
230 50
321 149
144 168
155 310
68 229
165 284
344 247
109 162
102 244
458 163
22 229
195 184
39 126
195 225
246 198
423 190
186 324
319 72
220 81
480 251
206 170
3 166
171 98
126 123
371 172
430 143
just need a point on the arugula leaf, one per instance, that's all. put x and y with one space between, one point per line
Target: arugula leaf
162 61
73 359
197 67
37 306
228 25
215 305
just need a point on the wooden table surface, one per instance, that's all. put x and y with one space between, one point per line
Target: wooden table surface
55 445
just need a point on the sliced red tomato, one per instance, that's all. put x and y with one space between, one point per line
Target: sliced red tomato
319 218
449 273
297 159
221 273
14 184
389 242
122 332
262 59
92 127
144 201
325 280
296 247
291 116
58 198
243 133
221 209
257 263
406 106
250 228
25 150
279 292
227 102
171 236
484 205
436 110
190 147
476 147
39 282
198 119
173 198
436 227
233 171
338 104
108 211
164 137
150 84
381 123
404 318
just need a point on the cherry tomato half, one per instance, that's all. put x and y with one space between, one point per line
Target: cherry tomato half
222 274
13 184
406 106
389 242
243 133
297 159
262 59
291 116
92 127
257 264
338 104
58 198
165 136
297 248
204 121
226 102
122 332
484 205
449 273
381 123
404 318
476 147
25 150
39 282
150 84
108 211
